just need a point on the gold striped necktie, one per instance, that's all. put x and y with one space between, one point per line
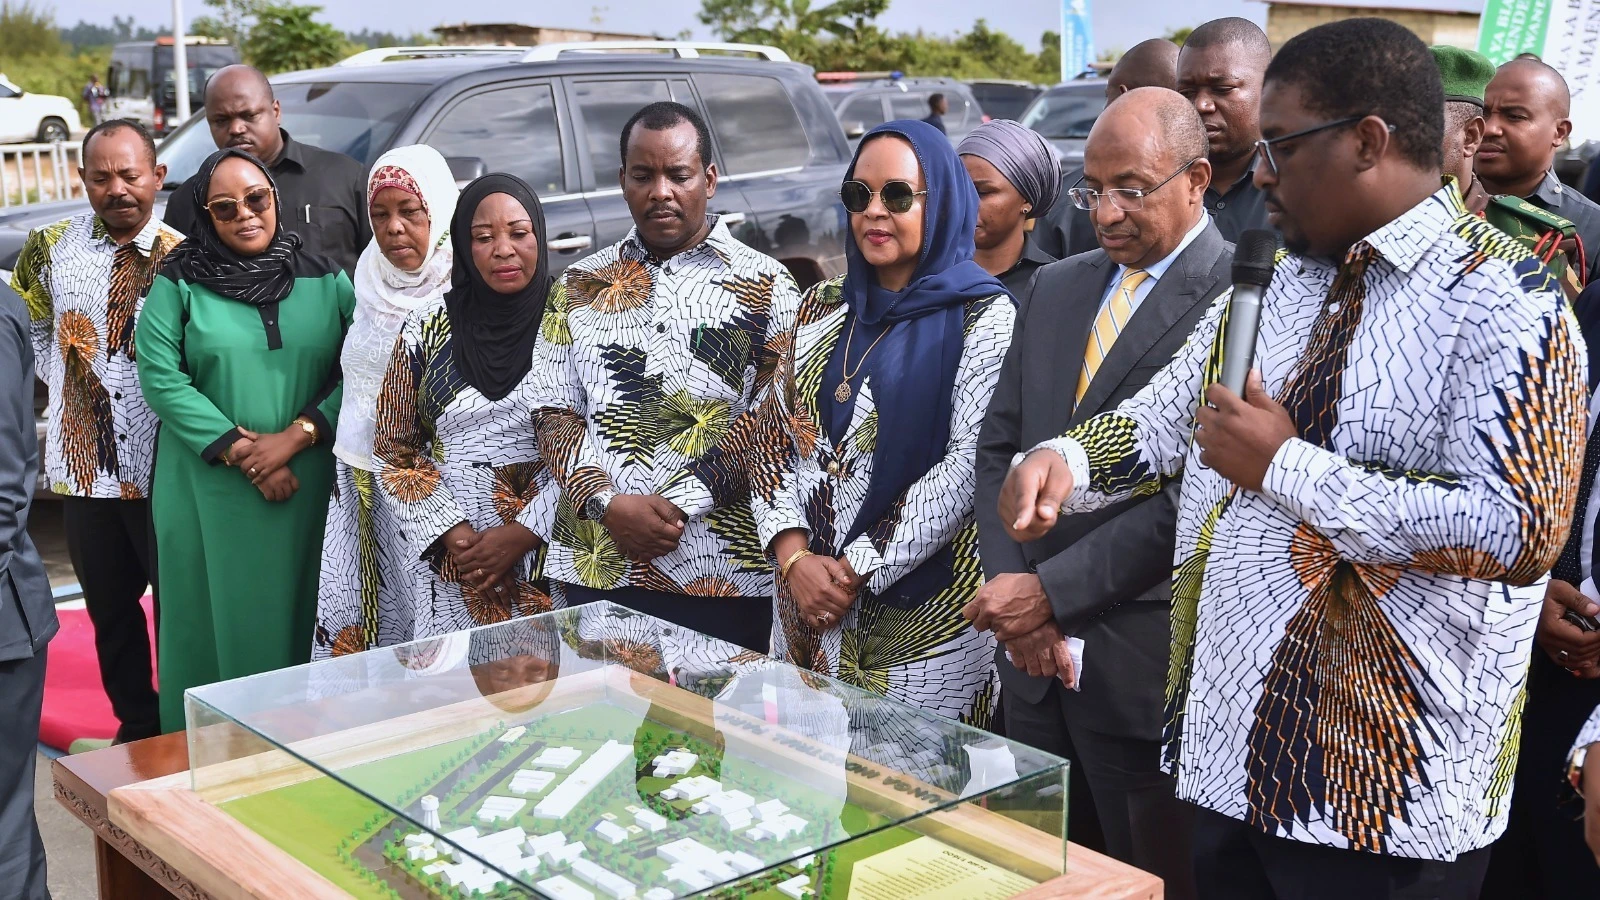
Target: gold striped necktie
1113 317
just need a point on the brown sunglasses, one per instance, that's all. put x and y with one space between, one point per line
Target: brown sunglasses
226 209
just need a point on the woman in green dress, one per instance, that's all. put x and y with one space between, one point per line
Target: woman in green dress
238 350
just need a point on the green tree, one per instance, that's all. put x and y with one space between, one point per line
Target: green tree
285 38
1179 35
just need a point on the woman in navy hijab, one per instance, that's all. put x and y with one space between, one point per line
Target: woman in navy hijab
863 482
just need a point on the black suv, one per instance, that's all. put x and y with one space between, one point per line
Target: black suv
553 115
863 104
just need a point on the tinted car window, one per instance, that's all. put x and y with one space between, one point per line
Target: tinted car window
512 130
865 109
354 118
607 106
1065 114
914 105
757 129
1004 101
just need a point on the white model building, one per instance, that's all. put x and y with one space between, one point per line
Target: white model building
557 757
435 868
430 812
674 763
649 820
608 882
771 809
498 809
688 876
743 863
565 855
611 833
531 781
724 802
563 888
462 834
419 840
657 894
546 842
421 853
692 788
570 792
512 734
690 854
736 819
796 886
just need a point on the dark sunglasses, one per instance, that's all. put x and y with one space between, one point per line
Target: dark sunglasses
226 209
897 196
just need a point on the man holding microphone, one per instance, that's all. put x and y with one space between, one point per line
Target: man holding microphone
1363 537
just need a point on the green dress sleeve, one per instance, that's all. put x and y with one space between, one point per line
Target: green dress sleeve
323 410
168 388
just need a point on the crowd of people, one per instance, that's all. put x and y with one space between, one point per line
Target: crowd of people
1300 642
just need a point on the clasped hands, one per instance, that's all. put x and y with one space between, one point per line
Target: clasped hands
1567 645
1016 609
485 558
823 587
1238 438
264 460
644 527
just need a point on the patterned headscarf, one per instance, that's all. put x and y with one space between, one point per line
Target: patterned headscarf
418 170
204 259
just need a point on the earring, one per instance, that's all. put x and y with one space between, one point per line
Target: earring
1027 208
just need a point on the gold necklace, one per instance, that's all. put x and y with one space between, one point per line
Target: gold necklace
842 392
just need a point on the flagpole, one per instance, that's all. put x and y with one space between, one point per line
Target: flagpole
180 63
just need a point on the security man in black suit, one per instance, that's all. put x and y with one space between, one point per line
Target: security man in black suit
1092 331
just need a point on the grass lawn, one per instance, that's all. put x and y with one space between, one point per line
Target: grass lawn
309 819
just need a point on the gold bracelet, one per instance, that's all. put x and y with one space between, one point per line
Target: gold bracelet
783 570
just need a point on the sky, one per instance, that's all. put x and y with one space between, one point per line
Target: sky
1117 23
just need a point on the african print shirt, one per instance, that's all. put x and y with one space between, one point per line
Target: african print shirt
904 638
84 294
641 369
1350 645
1591 731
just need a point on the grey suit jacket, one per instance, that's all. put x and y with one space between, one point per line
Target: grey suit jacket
27 615
1107 573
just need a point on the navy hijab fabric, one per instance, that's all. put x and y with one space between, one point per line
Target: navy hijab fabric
913 369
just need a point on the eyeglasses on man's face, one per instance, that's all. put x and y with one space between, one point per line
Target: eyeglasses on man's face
1125 199
1264 147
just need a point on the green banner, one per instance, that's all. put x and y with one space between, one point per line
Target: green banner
1510 27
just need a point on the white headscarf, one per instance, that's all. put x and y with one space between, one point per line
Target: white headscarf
385 294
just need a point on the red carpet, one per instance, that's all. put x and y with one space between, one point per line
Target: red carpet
75 706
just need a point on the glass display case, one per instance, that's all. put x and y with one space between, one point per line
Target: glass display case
595 752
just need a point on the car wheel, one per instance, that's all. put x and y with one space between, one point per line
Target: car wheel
53 130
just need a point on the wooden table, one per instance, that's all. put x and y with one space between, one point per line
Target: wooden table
127 870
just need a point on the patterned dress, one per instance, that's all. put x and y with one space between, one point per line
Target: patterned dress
84 294
913 646
447 454
1350 644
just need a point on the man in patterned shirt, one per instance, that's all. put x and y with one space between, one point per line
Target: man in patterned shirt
84 279
650 349
1363 539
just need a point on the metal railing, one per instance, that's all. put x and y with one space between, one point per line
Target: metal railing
39 173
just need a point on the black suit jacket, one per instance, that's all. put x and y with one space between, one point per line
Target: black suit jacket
27 612
1107 573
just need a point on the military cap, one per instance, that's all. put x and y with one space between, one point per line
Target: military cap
1465 73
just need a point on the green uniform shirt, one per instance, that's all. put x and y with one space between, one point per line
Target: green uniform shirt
1540 231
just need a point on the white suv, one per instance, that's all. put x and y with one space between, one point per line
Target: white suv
35 117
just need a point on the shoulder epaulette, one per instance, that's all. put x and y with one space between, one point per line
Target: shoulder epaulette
1526 210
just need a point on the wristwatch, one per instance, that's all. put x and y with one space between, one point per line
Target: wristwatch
308 426
594 509
1575 767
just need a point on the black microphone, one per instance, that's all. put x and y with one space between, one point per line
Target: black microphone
1252 272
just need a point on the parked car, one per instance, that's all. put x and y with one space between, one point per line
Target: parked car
552 115
1064 114
1004 99
35 117
144 86
864 103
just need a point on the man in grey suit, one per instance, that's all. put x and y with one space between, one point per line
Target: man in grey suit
27 615
1091 331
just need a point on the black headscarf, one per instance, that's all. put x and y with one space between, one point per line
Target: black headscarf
494 332
202 257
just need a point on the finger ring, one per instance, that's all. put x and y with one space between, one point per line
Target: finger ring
1562 655
478 572
825 617
252 470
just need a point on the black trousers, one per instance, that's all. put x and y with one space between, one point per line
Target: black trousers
1542 855
1235 861
745 621
1119 802
22 863
112 552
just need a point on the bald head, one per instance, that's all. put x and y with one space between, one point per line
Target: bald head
1539 78
1141 141
1525 109
1220 71
1152 63
1232 31
242 113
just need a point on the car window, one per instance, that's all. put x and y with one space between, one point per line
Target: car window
357 119
913 105
512 130
756 125
1065 114
866 109
607 106
7 93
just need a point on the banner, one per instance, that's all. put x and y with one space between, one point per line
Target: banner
1563 33
1077 39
